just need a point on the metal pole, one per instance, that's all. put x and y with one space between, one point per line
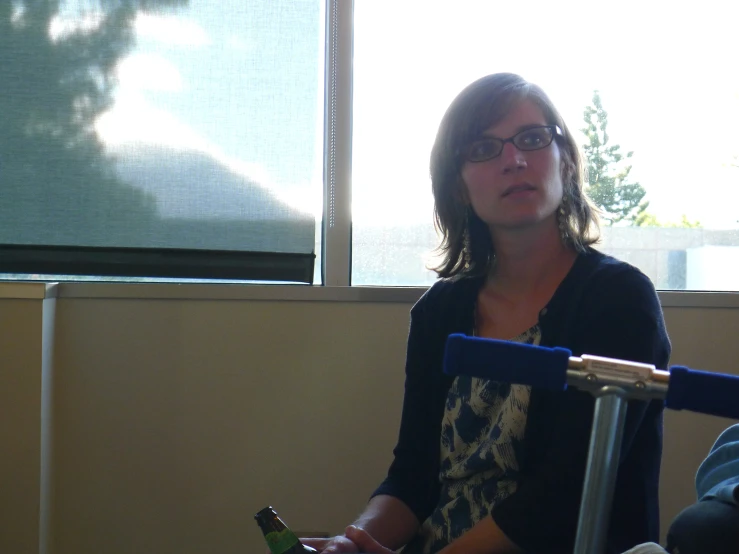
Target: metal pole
600 477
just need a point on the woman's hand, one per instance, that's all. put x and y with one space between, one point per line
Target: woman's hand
355 540
385 518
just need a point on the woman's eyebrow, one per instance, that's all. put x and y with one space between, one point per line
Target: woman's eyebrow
524 127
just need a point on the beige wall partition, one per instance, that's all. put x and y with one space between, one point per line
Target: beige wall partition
703 330
180 419
180 411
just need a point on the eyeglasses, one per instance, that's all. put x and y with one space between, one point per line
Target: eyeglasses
533 138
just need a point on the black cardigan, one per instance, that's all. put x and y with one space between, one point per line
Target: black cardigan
603 307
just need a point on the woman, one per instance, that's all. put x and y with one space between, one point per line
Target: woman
483 467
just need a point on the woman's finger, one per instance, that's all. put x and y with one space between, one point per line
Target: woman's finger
317 543
337 545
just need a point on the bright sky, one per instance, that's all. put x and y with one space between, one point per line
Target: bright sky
666 74
665 70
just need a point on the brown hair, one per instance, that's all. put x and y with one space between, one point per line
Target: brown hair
479 106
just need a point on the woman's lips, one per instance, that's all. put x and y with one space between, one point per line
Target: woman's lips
518 188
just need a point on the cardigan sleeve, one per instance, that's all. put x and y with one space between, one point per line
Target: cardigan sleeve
619 316
413 474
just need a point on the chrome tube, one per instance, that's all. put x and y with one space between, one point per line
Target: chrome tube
600 478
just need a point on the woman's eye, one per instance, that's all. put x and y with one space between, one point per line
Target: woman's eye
483 149
532 138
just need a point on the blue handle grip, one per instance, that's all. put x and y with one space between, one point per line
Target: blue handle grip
506 361
702 391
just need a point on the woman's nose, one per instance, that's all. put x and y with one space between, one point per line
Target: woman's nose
513 159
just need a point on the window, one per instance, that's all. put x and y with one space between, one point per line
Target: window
177 138
665 76
194 139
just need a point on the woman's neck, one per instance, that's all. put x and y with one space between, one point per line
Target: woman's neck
525 259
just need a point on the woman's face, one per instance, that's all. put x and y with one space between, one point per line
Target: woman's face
516 189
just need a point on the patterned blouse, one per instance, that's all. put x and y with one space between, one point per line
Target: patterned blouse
481 443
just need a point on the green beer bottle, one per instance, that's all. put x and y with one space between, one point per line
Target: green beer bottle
278 536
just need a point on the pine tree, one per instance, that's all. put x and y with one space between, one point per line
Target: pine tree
608 180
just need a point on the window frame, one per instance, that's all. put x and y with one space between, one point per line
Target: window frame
336 244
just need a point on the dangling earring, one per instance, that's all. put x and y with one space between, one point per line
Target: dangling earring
562 223
466 242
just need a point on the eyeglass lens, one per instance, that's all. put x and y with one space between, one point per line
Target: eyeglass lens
528 139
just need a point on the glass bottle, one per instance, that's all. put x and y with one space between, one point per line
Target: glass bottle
278 535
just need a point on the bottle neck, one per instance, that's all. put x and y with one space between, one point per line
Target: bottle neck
278 536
